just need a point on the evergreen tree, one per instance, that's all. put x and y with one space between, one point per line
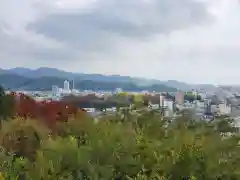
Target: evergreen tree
6 104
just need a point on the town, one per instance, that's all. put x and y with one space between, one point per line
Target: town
71 127
204 105
119 90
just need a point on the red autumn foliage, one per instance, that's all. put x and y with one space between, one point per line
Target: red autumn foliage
48 112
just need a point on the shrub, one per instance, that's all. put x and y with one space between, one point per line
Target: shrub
22 137
7 104
145 146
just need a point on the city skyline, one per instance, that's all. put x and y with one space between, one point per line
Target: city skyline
195 41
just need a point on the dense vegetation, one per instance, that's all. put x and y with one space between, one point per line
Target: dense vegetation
190 97
124 146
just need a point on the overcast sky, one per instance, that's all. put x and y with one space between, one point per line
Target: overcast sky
196 41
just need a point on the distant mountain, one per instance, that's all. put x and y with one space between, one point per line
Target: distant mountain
207 87
178 85
53 72
41 72
12 81
17 82
3 71
175 84
19 71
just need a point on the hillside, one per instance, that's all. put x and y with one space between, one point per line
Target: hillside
53 72
12 81
17 82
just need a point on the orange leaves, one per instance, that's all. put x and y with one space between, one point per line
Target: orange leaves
47 112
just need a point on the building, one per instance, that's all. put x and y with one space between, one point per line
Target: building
169 104
66 86
224 108
215 109
118 90
194 92
207 106
179 98
55 90
161 100
71 84
200 107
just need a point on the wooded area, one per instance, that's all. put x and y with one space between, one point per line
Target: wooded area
143 146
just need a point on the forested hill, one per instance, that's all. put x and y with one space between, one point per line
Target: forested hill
16 82
53 72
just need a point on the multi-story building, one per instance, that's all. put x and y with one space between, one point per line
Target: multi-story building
66 86
169 104
161 100
224 108
118 90
55 90
179 98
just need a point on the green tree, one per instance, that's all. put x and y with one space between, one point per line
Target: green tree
22 137
145 146
7 103
191 97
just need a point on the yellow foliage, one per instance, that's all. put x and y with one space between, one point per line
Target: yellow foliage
123 94
1 176
138 98
22 136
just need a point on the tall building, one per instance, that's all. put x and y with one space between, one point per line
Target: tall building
169 104
161 104
55 90
66 86
179 98
207 105
71 84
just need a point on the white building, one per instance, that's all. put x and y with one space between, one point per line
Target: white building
194 92
168 104
118 90
161 104
237 122
66 86
221 109
60 90
199 104
55 90
224 108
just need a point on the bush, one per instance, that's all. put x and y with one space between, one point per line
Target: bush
22 137
7 103
142 147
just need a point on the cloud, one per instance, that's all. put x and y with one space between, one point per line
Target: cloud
131 18
152 38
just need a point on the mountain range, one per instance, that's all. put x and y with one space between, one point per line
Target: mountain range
43 78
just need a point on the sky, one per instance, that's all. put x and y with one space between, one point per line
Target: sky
195 41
